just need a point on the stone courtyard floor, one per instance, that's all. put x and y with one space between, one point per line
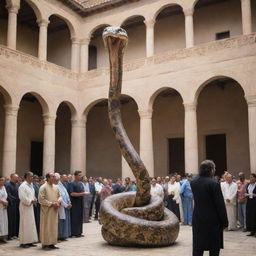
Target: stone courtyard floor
236 244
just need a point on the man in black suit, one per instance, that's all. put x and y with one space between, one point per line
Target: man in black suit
209 216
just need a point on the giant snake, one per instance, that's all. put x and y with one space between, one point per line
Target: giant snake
131 218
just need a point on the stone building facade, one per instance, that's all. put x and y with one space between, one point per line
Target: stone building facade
189 88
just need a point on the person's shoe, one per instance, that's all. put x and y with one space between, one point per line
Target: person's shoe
63 239
52 246
244 230
32 245
46 248
79 235
251 234
24 245
3 241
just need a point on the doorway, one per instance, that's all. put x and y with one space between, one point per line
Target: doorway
216 151
176 156
36 157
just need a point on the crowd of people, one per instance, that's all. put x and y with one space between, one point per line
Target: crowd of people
53 208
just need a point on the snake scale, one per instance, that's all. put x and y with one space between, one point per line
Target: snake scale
131 218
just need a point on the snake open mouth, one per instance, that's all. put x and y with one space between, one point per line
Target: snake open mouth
132 218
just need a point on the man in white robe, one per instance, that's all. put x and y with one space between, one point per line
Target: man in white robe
27 231
3 211
229 190
156 189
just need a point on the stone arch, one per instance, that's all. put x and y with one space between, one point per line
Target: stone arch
132 17
211 79
91 105
169 16
136 30
71 27
168 131
157 92
164 7
34 5
30 132
71 107
63 132
97 54
7 97
96 28
222 120
41 100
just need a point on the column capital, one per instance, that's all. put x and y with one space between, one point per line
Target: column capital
188 12
85 41
11 110
251 100
150 23
13 8
49 120
190 106
145 113
43 22
78 122
75 40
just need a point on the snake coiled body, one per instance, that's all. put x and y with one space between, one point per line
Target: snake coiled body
132 218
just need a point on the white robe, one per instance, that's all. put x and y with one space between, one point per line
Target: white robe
3 213
27 231
175 187
229 192
157 190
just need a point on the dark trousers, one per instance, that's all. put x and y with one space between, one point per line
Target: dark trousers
201 253
97 206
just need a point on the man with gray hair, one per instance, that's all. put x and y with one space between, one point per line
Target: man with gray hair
209 216
229 190
64 225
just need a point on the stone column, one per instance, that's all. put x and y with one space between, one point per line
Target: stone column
189 28
84 55
75 55
10 140
12 26
78 145
49 144
146 140
42 45
251 101
126 170
191 139
246 16
150 37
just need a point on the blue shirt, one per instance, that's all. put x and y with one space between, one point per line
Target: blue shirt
185 189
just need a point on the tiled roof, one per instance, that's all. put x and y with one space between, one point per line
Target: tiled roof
87 7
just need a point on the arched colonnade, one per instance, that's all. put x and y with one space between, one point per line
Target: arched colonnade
171 130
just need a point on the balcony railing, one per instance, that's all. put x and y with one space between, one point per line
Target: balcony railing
199 50
27 59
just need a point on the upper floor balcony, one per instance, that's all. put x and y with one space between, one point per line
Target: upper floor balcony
173 33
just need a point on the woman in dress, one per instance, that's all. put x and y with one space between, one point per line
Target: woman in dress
251 206
3 211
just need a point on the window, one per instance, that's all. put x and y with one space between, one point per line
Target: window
222 35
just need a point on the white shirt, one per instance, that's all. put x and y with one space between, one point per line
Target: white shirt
98 186
229 191
157 190
250 189
175 188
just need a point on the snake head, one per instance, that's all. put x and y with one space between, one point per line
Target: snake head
114 37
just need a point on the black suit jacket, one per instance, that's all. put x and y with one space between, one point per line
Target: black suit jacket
209 216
